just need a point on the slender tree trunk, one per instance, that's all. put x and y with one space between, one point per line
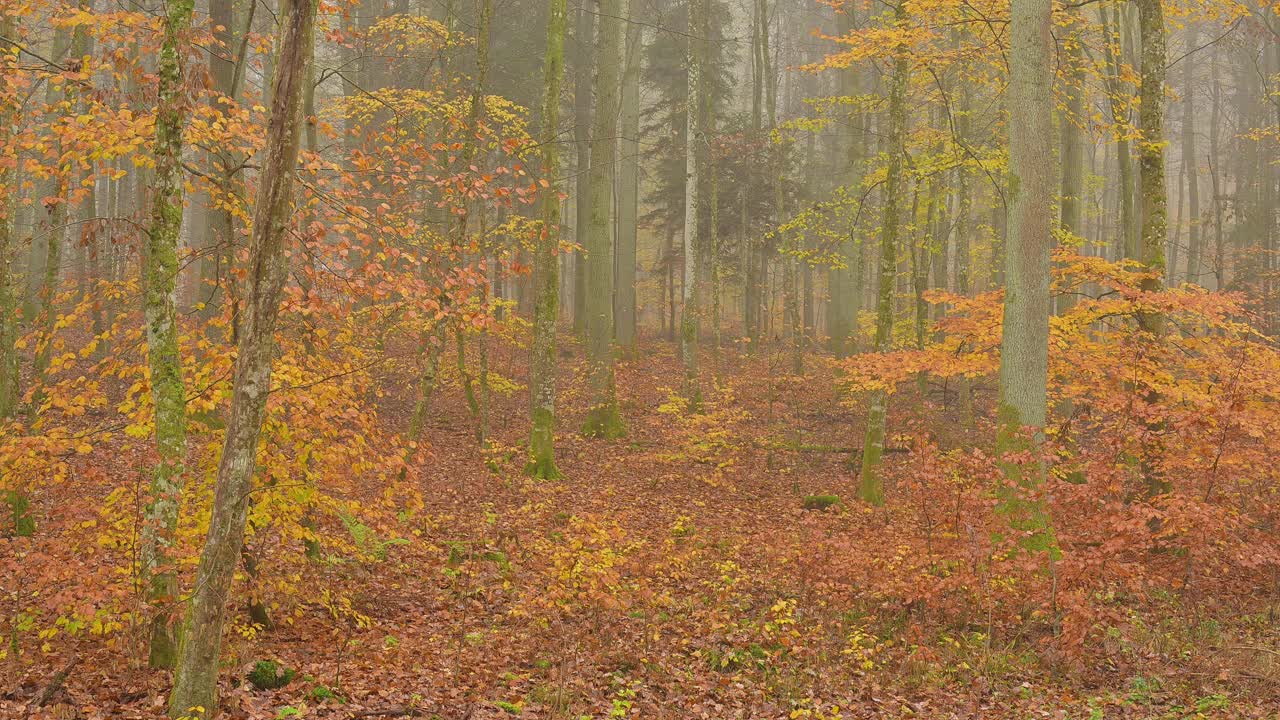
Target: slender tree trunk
603 419
10 111
1215 163
168 392
1024 342
870 483
546 280
629 191
1071 120
693 138
585 44
1154 206
196 677
1113 51
1190 163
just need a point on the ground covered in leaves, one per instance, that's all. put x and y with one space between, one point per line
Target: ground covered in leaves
688 570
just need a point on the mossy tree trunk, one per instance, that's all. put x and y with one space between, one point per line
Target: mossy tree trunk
870 482
196 676
546 269
1154 208
168 393
1024 340
603 419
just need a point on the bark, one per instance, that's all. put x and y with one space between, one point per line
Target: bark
226 66
629 192
546 280
603 419
10 111
168 392
693 138
196 676
1154 209
1151 153
585 44
870 483
1190 165
1024 342
1071 120
1113 50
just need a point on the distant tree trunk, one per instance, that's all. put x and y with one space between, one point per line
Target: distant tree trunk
1024 342
10 111
1190 164
546 279
168 392
692 185
1215 162
1113 50
1072 194
870 483
603 419
585 45
226 64
196 676
629 191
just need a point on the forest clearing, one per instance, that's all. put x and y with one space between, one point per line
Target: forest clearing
585 359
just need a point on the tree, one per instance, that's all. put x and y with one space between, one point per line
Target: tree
1024 338
870 483
693 140
629 190
584 59
603 419
196 675
546 272
10 109
168 392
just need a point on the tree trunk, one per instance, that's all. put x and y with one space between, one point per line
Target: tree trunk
870 483
585 44
629 192
546 279
693 138
603 419
10 111
1113 49
168 392
1024 342
1071 120
1154 208
1190 165
196 677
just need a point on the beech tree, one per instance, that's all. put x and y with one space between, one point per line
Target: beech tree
542 361
168 392
603 420
1024 339
196 674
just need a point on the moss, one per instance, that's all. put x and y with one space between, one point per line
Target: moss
270 675
820 502
323 693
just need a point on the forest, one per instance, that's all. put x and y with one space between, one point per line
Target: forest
662 359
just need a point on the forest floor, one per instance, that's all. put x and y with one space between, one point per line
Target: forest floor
674 573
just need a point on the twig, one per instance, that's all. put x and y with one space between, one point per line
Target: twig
55 684
398 711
